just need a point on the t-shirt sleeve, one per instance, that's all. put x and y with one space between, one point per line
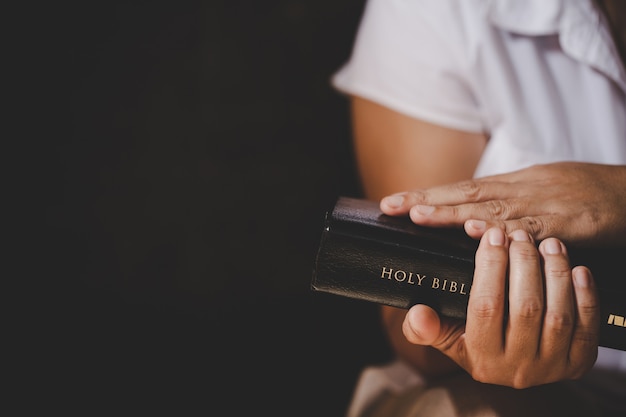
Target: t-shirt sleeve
413 57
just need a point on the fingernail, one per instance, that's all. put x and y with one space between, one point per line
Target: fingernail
479 225
552 246
394 201
582 278
520 236
496 237
424 210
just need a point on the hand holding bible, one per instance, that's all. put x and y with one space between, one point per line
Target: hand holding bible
579 203
531 319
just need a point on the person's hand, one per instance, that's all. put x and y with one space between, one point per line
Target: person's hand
531 319
579 203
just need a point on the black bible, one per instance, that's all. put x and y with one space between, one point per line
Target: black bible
366 255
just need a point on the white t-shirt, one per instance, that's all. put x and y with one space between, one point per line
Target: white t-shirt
542 78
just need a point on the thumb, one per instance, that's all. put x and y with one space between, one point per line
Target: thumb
421 325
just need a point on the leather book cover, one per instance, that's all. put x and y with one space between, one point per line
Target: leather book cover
364 254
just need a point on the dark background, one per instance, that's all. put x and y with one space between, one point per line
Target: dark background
184 190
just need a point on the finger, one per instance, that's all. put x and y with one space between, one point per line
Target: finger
523 330
584 347
421 325
486 304
462 192
560 315
496 211
538 226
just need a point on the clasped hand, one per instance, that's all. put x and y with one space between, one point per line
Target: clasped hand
531 319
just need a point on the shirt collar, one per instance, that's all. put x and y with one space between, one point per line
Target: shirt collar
582 31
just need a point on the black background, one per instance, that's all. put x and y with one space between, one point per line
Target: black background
183 183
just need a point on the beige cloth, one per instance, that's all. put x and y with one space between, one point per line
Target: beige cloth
396 390
461 396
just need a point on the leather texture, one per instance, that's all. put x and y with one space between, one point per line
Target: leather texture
364 254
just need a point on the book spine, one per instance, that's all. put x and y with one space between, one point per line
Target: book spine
386 273
392 274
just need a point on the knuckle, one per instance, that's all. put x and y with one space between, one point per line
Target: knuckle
485 372
417 197
489 261
588 308
485 307
533 225
530 308
539 227
558 272
587 340
524 251
591 219
478 373
456 212
522 380
559 322
497 209
470 190
524 376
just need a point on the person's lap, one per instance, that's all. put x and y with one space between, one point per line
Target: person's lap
461 396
